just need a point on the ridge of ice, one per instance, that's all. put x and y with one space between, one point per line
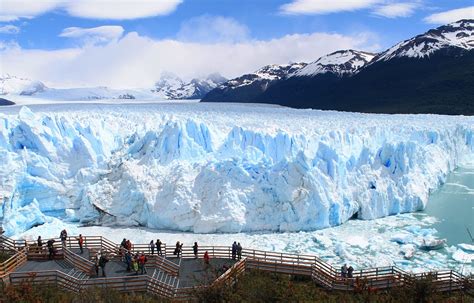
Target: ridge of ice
201 168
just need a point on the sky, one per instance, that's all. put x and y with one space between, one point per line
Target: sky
131 43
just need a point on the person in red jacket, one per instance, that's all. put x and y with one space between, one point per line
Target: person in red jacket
80 241
206 258
141 263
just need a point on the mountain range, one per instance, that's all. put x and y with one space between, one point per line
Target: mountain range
430 73
168 87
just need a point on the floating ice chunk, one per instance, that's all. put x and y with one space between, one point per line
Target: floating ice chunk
466 247
402 238
463 257
357 241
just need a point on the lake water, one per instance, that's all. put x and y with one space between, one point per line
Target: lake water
453 206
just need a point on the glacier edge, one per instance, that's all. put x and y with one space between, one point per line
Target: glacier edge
204 170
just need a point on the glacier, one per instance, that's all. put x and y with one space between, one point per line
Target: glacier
212 168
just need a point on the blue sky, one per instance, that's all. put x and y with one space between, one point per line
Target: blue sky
71 32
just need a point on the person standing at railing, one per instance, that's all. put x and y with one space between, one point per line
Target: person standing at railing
158 247
40 244
50 245
239 251
152 247
176 249
129 245
350 270
123 246
195 250
63 236
234 250
80 241
344 271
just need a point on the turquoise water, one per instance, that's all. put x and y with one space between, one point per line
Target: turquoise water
453 206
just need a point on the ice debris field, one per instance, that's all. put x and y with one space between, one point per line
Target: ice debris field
219 168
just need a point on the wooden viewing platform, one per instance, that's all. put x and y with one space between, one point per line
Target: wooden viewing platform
177 278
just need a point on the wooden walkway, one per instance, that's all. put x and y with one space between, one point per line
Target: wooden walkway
176 278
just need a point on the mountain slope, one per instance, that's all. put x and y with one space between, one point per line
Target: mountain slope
340 63
249 86
430 73
12 85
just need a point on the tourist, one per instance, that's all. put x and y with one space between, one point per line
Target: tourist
234 250
63 237
239 251
180 251
123 246
80 241
51 251
128 260
195 250
128 245
158 247
40 244
344 271
152 247
350 270
102 261
96 263
135 265
142 259
176 250
206 258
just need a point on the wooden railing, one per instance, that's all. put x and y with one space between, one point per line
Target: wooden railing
13 263
231 274
165 265
79 262
321 272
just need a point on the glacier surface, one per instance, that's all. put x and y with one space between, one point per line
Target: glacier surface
209 168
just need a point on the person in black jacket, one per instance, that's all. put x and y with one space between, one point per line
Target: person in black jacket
102 261
195 250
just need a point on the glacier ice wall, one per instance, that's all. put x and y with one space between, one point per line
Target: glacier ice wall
201 168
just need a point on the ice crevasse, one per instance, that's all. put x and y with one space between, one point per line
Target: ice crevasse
195 169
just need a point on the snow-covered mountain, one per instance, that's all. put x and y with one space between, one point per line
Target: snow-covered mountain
343 62
14 88
454 35
430 73
248 86
171 86
263 76
12 85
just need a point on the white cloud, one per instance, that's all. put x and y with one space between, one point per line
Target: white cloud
137 61
95 35
210 29
9 29
309 7
95 9
120 10
451 15
14 9
394 10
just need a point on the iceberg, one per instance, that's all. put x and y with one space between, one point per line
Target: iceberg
208 168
